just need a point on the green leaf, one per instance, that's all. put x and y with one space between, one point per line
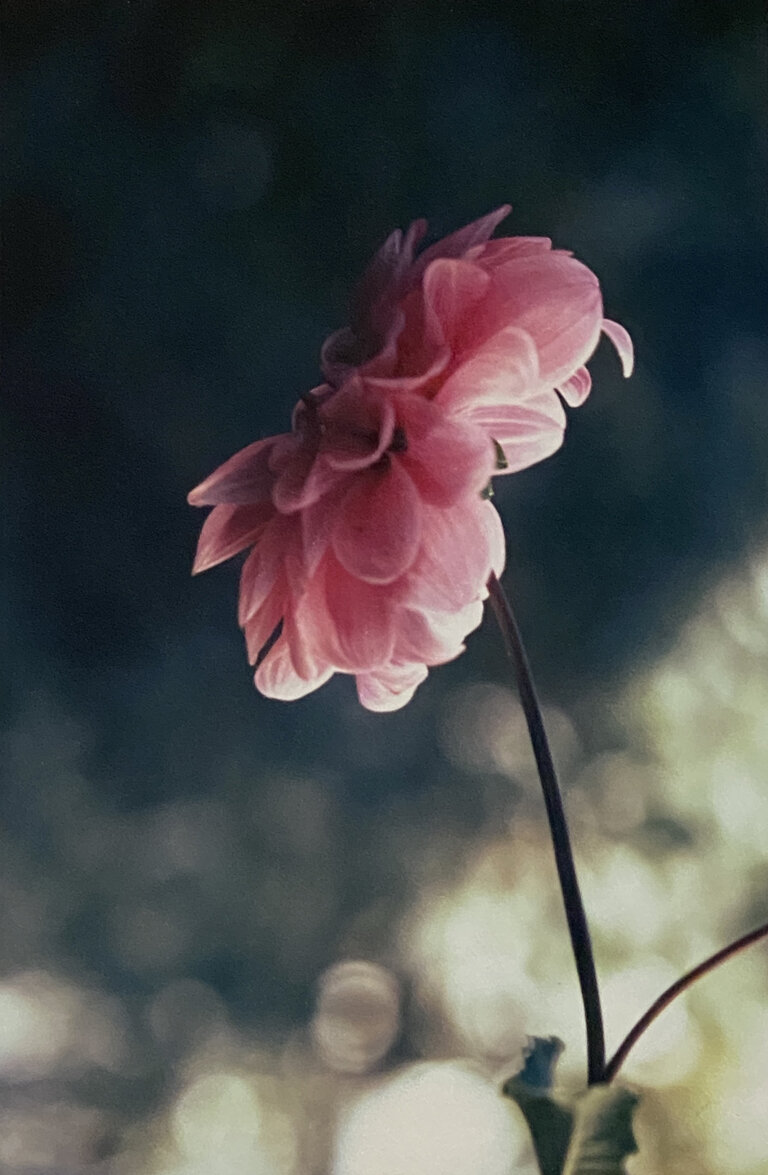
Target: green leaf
602 1132
549 1122
550 1125
540 1057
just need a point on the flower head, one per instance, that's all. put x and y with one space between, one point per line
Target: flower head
371 540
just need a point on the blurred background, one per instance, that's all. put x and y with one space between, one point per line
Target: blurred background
252 938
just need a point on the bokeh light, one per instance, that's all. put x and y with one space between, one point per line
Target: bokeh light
357 1016
438 1119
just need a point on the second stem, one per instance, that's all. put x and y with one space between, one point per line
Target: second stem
561 841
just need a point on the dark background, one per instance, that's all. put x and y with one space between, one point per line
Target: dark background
189 191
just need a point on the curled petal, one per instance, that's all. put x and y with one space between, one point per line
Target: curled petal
389 688
228 530
378 526
244 479
576 389
527 432
346 352
306 408
277 676
623 344
358 425
340 352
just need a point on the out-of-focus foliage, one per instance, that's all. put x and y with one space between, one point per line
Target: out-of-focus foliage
238 936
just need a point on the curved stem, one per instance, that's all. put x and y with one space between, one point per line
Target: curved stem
672 992
561 841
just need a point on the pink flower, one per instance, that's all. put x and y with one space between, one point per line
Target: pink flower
371 541
490 329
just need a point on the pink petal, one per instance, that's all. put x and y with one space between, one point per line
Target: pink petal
520 452
505 249
435 637
378 527
317 523
277 677
228 530
306 408
458 551
385 273
354 621
304 481
495 537
244 479
451 289
358 425
425 367
257 579
338 354
300 637
504 368
383 266
390 688
555 299
291 463
285 448
527 432
415 233
459 243
446 456
576 389
260 626
262 568
375 320
623 344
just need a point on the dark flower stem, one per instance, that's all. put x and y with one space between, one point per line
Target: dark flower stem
676 989
561 841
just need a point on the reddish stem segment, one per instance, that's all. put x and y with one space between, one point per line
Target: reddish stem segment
561 841
672 992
